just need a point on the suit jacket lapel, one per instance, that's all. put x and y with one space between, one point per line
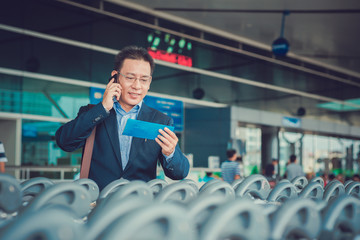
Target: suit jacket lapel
111 127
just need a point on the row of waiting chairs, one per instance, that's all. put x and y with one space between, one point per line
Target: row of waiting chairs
246 209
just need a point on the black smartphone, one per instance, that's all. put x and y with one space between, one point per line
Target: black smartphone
115 77
115 81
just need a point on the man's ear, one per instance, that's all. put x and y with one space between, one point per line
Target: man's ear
113 72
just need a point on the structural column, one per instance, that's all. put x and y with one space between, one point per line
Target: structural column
270 147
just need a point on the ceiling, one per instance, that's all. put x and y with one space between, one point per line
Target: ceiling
326 31
322 33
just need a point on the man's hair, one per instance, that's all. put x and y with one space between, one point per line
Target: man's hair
230 153
292 158
133 52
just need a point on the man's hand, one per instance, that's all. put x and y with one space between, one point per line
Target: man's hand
112 89
167 141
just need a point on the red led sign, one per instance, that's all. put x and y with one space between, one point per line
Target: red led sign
170 57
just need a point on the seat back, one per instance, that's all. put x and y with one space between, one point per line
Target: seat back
299 182
104 215
157 221
341 218
112 187
180 192
353 189
255 186
201 208
10 194
319 180
219 188
333 189
237 219
90 186
51 223
282 192
157 185
69 194
313 190
296 219
32 187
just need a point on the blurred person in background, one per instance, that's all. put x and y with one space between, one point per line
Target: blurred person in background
271 169
239 160
293 170
230 168
270 172
3 158
356 178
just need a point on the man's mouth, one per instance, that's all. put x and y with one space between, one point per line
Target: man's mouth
134 94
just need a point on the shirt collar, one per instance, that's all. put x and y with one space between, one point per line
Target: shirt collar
121 111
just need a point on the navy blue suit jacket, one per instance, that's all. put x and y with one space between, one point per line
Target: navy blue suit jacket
106 158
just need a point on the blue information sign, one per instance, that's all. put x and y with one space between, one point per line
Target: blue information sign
170 107
96 95
291 122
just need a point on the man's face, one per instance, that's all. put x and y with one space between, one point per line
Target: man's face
133 92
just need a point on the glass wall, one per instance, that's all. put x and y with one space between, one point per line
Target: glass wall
38 97
248 145
39 148
320 154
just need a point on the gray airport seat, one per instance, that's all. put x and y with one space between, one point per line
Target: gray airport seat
157 185
112 187
180 192
299 182
32 187
219 188
205 185
51 223
201 208
319 180
10 194
157 221
104 215
284 180
68 194
333 189
296 219
133 188
191 183
90 186
237 219
236 183
10 199
341 218
348 182
255 186
282 191
313 190
353 189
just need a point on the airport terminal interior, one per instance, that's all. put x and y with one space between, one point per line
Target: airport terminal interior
269 79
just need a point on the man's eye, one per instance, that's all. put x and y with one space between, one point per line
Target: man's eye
144 80
130 78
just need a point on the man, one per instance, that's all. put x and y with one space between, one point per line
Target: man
293 170
229 169
270 169
3 158
119 156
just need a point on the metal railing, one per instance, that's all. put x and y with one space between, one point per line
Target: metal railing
24 172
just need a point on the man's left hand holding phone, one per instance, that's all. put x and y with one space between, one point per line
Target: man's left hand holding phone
112 92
